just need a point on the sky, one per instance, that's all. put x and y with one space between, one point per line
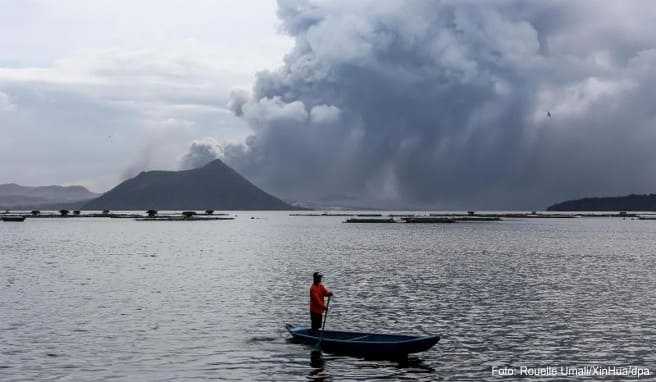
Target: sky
423 104
94 92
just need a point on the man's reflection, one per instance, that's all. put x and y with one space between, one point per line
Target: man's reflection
317 363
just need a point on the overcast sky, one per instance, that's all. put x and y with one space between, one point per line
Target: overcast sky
449 104
94 91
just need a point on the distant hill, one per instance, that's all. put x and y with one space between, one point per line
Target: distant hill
213 186
14 196
618 203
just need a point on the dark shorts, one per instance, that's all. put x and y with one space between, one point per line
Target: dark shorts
316 320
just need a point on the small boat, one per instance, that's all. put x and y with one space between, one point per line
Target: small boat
13 218
365 345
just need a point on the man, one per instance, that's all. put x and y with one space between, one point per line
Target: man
317 306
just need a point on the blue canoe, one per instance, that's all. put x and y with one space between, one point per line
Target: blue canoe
366 345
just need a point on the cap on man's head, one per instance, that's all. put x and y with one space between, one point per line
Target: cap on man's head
317 275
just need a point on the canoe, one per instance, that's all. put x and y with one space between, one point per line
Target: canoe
366 345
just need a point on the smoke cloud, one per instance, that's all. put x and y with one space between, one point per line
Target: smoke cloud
455 104
201 152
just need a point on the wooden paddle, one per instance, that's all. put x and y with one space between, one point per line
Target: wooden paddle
323 325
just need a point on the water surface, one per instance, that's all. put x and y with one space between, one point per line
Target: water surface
115 299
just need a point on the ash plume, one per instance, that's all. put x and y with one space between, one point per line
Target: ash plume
456 104
201 152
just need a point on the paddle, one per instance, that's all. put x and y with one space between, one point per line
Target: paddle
323 325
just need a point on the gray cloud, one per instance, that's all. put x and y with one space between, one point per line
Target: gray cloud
238 98
201 152
89 95
100 118
444 104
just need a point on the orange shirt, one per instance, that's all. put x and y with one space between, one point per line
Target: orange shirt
317 293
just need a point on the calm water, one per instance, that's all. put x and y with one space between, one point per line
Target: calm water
103 299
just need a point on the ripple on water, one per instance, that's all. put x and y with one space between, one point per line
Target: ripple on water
118 300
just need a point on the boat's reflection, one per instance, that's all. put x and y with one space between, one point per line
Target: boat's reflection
414 363
319 372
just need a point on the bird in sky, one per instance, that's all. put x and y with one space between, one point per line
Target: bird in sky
549 114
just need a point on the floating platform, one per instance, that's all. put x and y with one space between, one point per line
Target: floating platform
125 216
547 216
80 216
180 219
468 218
370 220
13 218
52 215
428 220
477 218
620 215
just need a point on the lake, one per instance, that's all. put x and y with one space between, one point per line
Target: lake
115 299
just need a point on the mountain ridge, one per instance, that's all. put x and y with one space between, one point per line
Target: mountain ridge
632 202
13 195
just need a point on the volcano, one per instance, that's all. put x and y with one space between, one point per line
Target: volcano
214 186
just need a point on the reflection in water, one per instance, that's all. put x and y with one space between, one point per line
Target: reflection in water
417 364
317 363
316 359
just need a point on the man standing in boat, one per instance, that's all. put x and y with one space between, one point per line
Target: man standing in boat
317 306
